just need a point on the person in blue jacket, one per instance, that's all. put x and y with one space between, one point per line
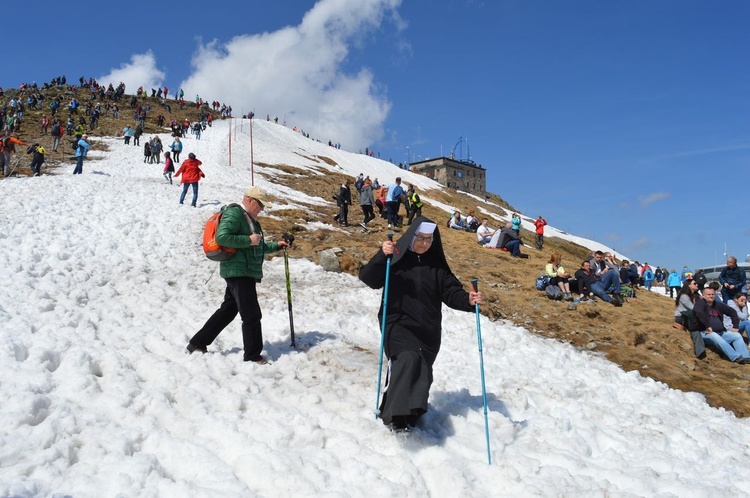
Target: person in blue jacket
176 148
674 282
81 150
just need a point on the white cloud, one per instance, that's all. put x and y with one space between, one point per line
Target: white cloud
140 71
638 244
298 73
647 200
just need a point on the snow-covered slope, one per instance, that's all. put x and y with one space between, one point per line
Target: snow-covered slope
104 282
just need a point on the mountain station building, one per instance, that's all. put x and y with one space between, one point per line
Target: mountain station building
459 175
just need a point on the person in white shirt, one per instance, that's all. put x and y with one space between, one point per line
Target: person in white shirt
484 233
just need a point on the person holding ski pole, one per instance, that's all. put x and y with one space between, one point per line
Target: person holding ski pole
239 229
420 281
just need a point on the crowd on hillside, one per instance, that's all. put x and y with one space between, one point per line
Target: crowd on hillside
715 313
86 103
387 199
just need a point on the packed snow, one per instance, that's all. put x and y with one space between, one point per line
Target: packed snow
104 282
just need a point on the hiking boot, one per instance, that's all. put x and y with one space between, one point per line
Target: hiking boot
192 348
592 298
400 424
584 299
256 359
743 361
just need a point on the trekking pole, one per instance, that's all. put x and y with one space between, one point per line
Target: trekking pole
290 240
382 329
474 282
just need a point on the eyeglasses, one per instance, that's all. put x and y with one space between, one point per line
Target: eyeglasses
262 206
424 239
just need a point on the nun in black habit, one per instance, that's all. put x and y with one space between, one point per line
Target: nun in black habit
420 281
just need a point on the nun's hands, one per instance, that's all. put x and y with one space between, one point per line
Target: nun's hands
388 247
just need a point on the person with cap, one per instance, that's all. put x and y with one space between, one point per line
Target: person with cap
81 150
191 175
420 281
239 229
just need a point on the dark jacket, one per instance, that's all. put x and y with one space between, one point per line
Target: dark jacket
705 316
418 286
345 196
234 231
506 235
733 276
585 280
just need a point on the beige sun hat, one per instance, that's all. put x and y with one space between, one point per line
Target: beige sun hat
258 194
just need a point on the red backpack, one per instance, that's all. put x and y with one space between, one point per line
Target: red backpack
214 251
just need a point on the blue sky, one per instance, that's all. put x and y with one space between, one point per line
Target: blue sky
624 122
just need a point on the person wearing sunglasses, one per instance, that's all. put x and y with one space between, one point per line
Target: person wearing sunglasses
240 229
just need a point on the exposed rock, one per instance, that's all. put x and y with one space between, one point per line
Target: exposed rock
329 260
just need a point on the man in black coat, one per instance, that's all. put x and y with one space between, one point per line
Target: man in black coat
344 201
420 282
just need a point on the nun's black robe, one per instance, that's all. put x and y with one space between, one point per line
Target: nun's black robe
418 285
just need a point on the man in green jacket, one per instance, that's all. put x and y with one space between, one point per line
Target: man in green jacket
240 229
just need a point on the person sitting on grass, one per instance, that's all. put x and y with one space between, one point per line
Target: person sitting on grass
508 239
739 304
456 222
558 276
683 313
587 279
708 319
484 233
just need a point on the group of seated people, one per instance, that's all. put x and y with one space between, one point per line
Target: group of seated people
720 323
507 238
468 224
597 277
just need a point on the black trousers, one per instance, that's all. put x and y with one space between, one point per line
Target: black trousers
344 214
240 297
368 212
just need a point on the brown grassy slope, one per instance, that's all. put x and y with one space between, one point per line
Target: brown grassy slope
637 336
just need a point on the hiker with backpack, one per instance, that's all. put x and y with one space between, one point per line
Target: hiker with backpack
37 160
191 175
239 229
57 133
7 147
648 276
419 282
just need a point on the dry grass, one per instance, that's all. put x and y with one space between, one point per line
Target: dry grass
637 336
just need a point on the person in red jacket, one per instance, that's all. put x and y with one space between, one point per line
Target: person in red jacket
7 147
191 175
540 223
